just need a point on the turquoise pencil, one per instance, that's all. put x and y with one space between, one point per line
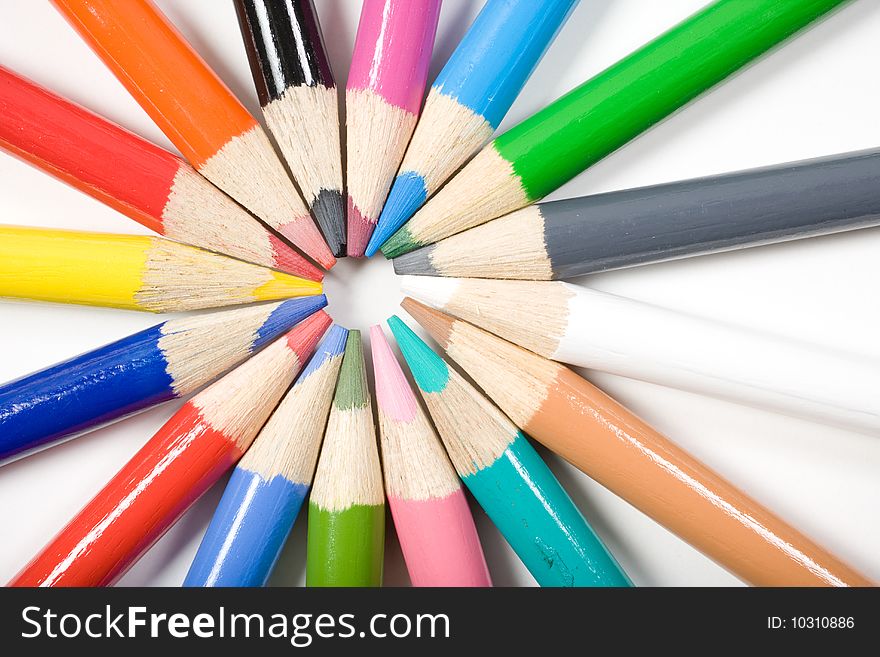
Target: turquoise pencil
507 476
469 99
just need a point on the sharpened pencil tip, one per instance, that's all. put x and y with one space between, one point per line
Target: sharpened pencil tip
429 370
288 260
305 235
284 286
416 263
437 324
407 195
329 211
360 228
303 338
351 387
399 243
285 315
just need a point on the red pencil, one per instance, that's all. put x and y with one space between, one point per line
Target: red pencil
196 111
185 457
130 174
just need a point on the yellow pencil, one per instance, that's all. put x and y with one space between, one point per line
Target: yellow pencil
133 272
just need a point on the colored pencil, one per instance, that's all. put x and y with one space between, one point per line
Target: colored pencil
346 535
135 272
612 445
611 333
507 476
196 111
268 486
167 361
563 239
386 83
595 119
469 99
430 511
142 181
298 96
177 465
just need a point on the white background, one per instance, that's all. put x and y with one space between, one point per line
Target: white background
819 95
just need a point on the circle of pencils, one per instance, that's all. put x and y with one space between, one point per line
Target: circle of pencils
595 119
279 395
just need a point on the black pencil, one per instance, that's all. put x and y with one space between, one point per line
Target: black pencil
563 239
298 96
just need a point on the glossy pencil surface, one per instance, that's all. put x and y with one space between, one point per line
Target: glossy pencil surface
186 456
169 360
469 99
132 272
611 333
508 477
431 514
144 182
297 92
263 497
551 147
646 225
623 453
196 111
346 536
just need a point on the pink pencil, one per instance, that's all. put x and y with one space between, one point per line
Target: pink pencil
431 514
386 85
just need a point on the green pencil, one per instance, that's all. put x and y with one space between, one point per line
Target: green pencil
346 538
595 119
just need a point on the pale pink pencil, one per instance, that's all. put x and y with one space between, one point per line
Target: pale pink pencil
431 514
386 85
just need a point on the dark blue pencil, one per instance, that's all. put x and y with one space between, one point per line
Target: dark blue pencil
169 360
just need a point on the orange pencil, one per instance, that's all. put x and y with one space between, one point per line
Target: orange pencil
196 111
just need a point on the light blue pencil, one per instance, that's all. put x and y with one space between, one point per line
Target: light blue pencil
268 486
469 99
507 476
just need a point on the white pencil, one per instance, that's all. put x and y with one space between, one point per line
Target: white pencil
614 334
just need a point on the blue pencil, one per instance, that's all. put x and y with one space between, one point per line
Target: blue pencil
469 99
268 486
169 360
507 476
